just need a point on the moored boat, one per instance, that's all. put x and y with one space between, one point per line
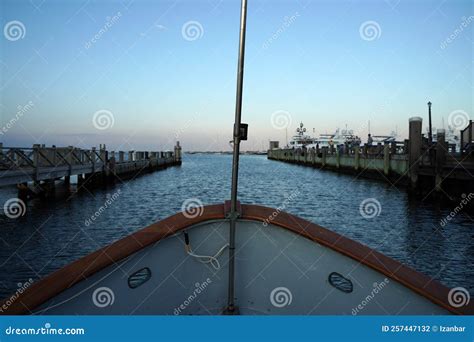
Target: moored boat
300 139
338 138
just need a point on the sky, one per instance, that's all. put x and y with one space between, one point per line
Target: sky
142 74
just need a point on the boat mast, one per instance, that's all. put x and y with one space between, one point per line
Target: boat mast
231 309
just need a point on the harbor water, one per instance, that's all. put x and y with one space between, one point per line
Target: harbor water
54 233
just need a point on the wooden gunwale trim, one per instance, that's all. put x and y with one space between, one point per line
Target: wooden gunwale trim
414 280
64 278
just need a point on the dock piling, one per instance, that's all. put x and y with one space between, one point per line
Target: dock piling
386 158
356 157
414 153
440 157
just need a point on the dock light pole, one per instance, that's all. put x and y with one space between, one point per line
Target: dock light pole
430 134
240 133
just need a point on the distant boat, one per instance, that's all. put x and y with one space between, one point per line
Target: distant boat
277 263
451 137
382 139
300 139
339 137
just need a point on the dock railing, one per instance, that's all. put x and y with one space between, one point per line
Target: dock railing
40 163
14 158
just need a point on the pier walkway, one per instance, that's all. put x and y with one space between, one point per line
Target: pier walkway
47 164
414 162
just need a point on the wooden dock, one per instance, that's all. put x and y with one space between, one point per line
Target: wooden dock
42 165
415 162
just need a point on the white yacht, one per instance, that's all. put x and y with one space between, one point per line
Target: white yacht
300 139
376 139
340 137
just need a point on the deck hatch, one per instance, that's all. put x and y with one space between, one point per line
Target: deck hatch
139 278
340 282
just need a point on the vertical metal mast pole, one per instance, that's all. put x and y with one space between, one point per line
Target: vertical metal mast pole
235 162
430 133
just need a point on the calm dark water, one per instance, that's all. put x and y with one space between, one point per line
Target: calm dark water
54 233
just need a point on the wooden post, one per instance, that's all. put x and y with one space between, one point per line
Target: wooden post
111 167
338 157
48 187
440 158
325 151
23 191
55 156
92 156
356 157
379 149
36 165
70 160
393 147
177 153
386 159
414 153
406 145
103 156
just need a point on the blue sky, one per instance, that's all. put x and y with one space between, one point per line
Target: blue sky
310 60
